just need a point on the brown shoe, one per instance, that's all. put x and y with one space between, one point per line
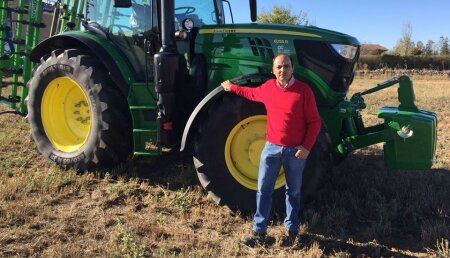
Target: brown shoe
289 238
255 239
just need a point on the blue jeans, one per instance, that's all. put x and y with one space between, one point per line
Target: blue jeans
272 158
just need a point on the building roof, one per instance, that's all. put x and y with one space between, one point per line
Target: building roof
367 49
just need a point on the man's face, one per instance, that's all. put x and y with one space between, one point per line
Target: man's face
282 68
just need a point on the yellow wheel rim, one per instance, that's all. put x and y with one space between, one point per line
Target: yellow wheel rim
66 114
243 149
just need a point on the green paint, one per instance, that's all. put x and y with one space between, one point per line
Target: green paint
415 152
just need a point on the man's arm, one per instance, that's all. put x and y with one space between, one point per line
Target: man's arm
312 120
226 85
302 152
254 94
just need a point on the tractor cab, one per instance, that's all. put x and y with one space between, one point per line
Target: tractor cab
157 40
136 27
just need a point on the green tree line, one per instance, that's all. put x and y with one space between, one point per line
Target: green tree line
408 54
407 47
392 61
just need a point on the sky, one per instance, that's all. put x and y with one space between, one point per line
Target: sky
376 21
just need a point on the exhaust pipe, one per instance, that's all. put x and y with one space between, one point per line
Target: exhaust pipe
167 71
253 10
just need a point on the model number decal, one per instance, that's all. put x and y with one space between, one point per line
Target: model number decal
281 41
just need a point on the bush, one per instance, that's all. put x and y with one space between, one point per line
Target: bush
387 61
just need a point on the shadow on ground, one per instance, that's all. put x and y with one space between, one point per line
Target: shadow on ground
172 170
362 201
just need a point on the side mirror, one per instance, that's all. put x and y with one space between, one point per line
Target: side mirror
122 3
253 10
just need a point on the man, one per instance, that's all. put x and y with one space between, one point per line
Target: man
293 124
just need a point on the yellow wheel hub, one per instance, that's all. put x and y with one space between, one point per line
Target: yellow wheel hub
66 114
243 149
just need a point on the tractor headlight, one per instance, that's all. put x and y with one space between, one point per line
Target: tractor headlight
346 51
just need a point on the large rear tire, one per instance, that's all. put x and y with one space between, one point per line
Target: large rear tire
228 143
78 117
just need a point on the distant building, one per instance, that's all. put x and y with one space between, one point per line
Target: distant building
372 49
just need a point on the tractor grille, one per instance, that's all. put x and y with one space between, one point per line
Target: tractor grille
261 47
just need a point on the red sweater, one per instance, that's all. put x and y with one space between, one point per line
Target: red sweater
292 116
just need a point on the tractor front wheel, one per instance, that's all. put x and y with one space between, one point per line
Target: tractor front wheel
78 118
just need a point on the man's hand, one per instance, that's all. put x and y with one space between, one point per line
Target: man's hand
226 85
301 153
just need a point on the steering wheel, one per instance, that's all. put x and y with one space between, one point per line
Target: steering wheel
189 9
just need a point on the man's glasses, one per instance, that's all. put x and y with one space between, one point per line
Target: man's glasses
285 66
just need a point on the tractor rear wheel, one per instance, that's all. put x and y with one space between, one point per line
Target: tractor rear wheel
78 117
227 147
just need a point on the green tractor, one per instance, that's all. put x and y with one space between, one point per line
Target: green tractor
115 79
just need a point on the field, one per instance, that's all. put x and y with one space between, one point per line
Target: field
156 207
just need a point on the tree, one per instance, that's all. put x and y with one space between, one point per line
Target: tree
419 49
429 48
283 15
405 44
443 46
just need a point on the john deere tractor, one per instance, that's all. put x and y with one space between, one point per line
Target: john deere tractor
101 81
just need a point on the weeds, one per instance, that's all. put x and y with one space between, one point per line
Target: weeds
314 251
127 246
442 249
180 201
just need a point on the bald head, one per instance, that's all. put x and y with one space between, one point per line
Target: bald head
282 68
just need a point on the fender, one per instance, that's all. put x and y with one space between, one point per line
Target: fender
216 93
115 64
197 110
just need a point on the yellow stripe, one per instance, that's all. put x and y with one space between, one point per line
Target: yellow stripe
258 31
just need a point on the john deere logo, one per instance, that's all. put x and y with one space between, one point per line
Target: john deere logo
223 31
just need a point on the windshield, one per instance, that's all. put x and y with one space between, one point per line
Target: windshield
122 20
139 16
201 12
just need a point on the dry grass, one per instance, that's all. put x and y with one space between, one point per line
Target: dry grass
156 208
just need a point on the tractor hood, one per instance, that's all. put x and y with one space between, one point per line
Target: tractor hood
323 58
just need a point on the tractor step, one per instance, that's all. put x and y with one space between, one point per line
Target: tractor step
145 142
144 119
